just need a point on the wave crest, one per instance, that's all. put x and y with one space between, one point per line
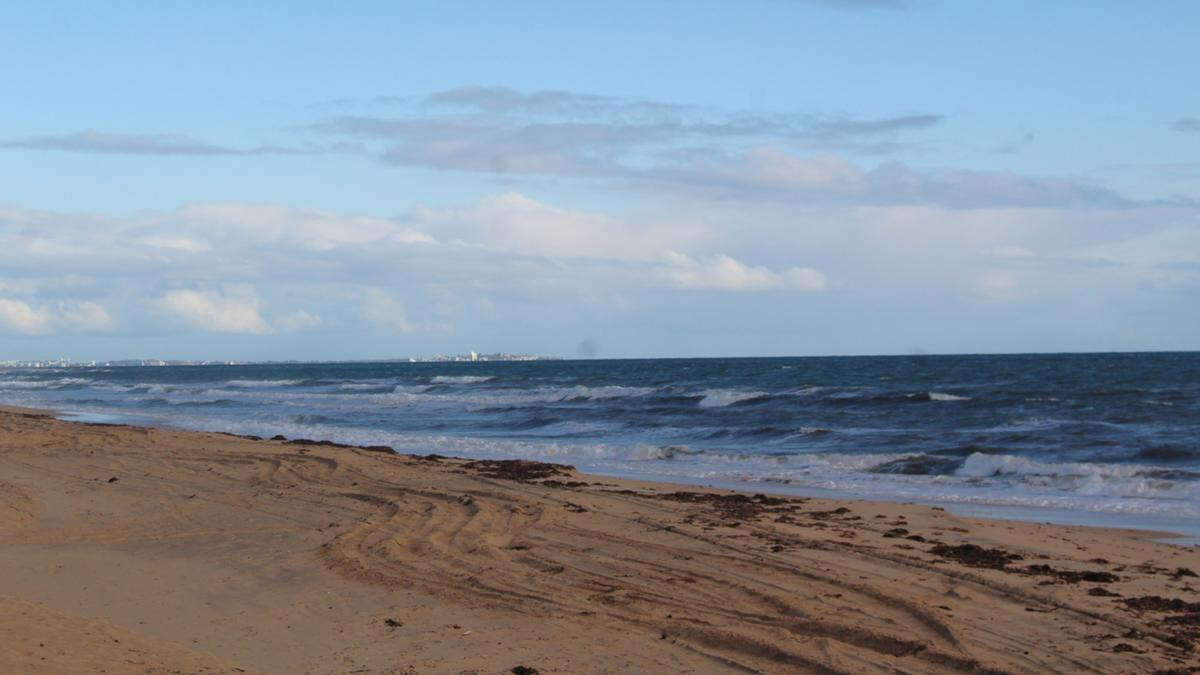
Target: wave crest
719 398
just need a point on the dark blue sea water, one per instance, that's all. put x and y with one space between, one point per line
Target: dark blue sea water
1114 435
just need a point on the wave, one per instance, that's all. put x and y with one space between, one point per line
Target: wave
491 400
939 396
529 423
770 431
1113 480
158 402
604 393
313 418
1168 474
643 452
253 384
929 396
61 383
719 398
919 465
850 395
367 389
461 379
148 389
976 448
314 382
1168 453
366 386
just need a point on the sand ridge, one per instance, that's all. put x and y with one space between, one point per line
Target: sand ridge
293 556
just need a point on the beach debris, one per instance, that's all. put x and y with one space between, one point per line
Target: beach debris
974 555
518 469
732 507
524 670
1156 603
1102 592
1181 572
998 559
393 623
1073 577
1183 624
113 479
569 484
825 515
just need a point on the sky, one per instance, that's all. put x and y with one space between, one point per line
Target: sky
270 181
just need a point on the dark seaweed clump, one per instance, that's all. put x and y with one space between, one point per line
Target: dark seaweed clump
518 469
976 556
1157 603
1073 576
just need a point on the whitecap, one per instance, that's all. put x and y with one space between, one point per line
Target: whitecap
462 379
719 398
261 383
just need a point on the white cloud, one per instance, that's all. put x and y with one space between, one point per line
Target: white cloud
381 309
725 273
86 316
311 229
775 168
517 223
805 279
232 311
19 317
297 321
177 243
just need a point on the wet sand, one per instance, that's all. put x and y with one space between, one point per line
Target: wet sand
125 549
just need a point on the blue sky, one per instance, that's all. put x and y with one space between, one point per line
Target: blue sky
665 179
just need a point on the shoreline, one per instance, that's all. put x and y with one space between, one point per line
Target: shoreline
211 552
1176 533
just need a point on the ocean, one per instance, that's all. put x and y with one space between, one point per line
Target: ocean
1088 438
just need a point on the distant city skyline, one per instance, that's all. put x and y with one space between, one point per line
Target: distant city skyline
650 179
67 362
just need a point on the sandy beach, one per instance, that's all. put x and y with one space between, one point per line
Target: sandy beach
125 549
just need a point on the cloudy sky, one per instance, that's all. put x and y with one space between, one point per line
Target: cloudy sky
666 178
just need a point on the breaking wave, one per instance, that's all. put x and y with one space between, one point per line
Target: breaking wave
461 379
719 398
